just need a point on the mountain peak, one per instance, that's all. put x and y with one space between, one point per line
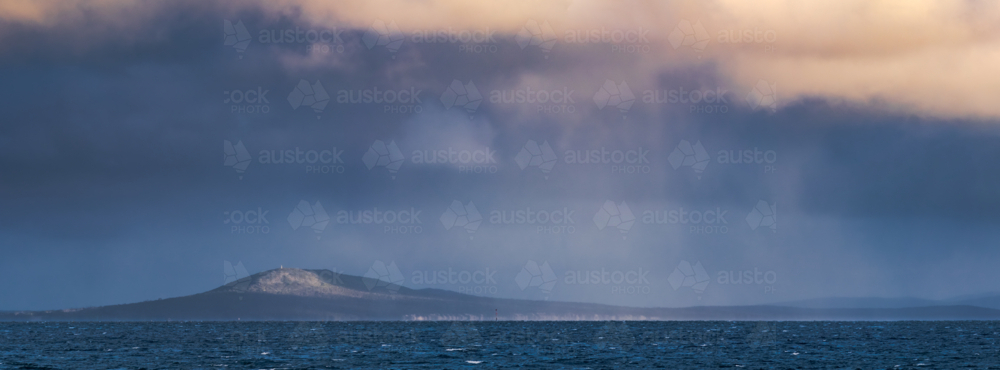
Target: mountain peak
311 283
289 281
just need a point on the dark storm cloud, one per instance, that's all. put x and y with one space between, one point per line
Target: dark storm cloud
113 153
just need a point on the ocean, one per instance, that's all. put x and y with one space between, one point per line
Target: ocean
504 344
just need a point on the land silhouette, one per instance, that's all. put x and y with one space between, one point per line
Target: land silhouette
296 294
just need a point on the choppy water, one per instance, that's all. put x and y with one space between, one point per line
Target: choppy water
435 345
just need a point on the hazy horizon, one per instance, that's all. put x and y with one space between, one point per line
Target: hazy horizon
635 154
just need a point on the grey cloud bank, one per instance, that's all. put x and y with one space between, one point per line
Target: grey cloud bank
134 166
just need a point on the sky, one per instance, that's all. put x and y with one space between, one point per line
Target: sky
646 154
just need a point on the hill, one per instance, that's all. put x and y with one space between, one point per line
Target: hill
295 294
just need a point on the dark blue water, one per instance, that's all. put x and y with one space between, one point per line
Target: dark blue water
487 345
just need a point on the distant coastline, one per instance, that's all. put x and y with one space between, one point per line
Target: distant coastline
295 294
